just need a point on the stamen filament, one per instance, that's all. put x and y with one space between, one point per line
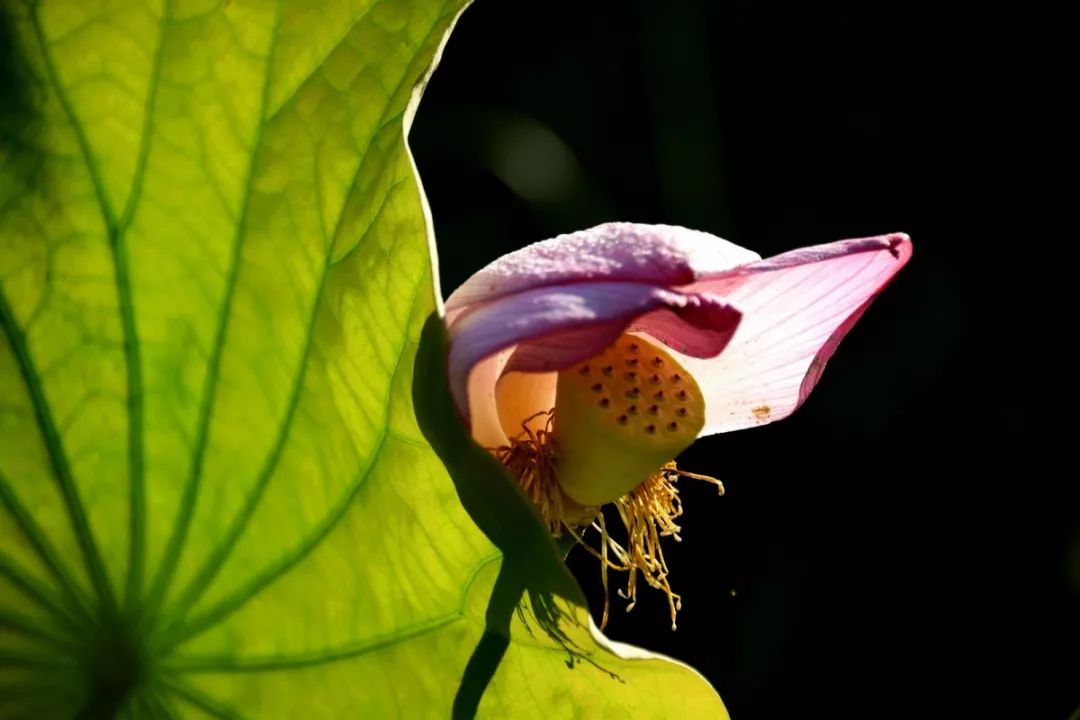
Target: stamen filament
648 512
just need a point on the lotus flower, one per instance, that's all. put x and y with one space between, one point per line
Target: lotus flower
587 362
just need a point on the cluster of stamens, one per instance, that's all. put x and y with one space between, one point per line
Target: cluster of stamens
648 513
532 457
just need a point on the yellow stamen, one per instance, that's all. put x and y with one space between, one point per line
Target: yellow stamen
532 457
648 512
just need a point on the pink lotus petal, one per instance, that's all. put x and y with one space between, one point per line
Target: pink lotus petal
661 255
554 327
485 423
701 326
796 308
684 332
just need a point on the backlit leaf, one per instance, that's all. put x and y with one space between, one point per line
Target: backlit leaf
214 271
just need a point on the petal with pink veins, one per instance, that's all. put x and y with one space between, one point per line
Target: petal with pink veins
796 308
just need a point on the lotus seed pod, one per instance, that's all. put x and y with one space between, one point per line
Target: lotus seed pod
621 415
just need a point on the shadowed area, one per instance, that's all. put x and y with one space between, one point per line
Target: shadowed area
19 119
497 505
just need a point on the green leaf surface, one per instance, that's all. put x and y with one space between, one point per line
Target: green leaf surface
215 500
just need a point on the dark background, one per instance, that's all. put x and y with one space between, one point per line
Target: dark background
908 544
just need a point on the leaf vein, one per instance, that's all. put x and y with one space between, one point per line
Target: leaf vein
238 599
23 625
48 556
201 700
217 559
331 655
57 457
287 100
76 125
132 352
175 545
